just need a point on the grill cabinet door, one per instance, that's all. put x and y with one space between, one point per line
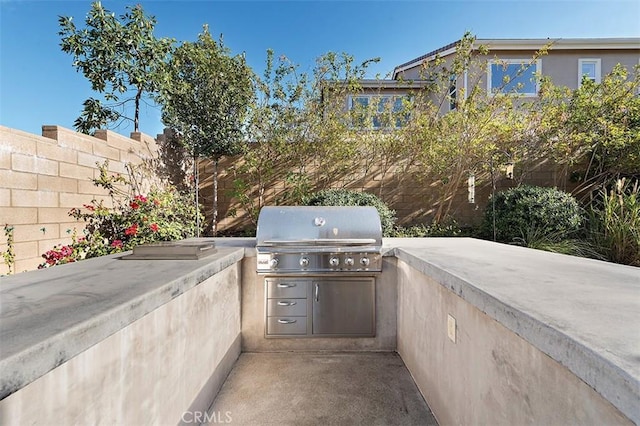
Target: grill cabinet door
344 307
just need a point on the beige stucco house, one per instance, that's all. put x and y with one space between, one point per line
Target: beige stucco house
566 62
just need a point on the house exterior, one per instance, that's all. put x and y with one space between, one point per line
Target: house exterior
566 62
381 102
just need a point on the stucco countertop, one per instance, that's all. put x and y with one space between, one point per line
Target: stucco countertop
583 313
49 316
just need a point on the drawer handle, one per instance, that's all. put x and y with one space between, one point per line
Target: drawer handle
286 285
287 321
286 303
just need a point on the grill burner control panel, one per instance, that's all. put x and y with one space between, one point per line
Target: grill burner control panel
319 262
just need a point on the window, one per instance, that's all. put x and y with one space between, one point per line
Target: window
514 76
588 68
453 93
377 111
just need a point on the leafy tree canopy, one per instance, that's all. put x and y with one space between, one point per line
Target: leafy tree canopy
205 96
119 56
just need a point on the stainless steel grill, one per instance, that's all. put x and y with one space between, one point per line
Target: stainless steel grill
315 239
320 264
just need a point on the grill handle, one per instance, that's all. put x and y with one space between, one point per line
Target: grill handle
317 292
287 321
286 285
286 303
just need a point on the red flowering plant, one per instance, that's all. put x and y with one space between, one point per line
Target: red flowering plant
161 215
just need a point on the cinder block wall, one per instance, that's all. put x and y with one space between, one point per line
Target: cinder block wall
43 177
414 199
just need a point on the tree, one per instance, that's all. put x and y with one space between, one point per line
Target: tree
205 95
596 125
483 131
299 131
119 56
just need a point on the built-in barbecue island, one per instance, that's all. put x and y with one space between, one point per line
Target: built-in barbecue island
489 333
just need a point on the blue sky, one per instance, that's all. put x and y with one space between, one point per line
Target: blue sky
39 86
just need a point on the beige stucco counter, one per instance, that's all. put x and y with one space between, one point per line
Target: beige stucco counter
491 333
87 330
524 318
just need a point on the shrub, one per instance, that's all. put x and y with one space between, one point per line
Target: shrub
344 197
548 211
547 241
433 230
614 226
162 215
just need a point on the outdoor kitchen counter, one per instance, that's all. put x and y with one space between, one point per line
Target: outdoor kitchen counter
49 316
583 313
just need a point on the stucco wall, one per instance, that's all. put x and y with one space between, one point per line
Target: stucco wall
171 361
489 375
43 177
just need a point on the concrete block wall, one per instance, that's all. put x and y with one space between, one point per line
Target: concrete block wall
43 177
414 200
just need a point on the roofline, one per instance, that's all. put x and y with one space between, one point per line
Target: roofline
379 83
526 44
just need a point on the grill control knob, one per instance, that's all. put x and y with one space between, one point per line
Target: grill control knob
273 263
364 261
304 262
348 261
334 261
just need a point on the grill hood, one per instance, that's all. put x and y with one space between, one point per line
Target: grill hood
318 226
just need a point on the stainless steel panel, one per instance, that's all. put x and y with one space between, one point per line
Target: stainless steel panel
307 262
286 307
321 224
294 289
343 306
287 325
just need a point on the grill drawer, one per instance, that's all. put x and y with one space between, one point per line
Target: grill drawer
287 325
286 307
294 289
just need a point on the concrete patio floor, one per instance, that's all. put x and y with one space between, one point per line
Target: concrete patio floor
317 388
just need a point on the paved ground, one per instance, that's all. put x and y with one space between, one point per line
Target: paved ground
321 389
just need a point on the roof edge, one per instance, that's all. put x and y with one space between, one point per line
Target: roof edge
526 44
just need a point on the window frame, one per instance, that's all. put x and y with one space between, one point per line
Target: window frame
537 71
453 92
598 64
378 98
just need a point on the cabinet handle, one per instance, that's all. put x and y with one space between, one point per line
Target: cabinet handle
317 292
285 285
286 303
287 321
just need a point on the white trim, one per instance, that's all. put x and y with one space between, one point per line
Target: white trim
560 43
522 61
598 64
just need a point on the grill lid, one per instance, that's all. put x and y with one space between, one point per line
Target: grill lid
313 226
